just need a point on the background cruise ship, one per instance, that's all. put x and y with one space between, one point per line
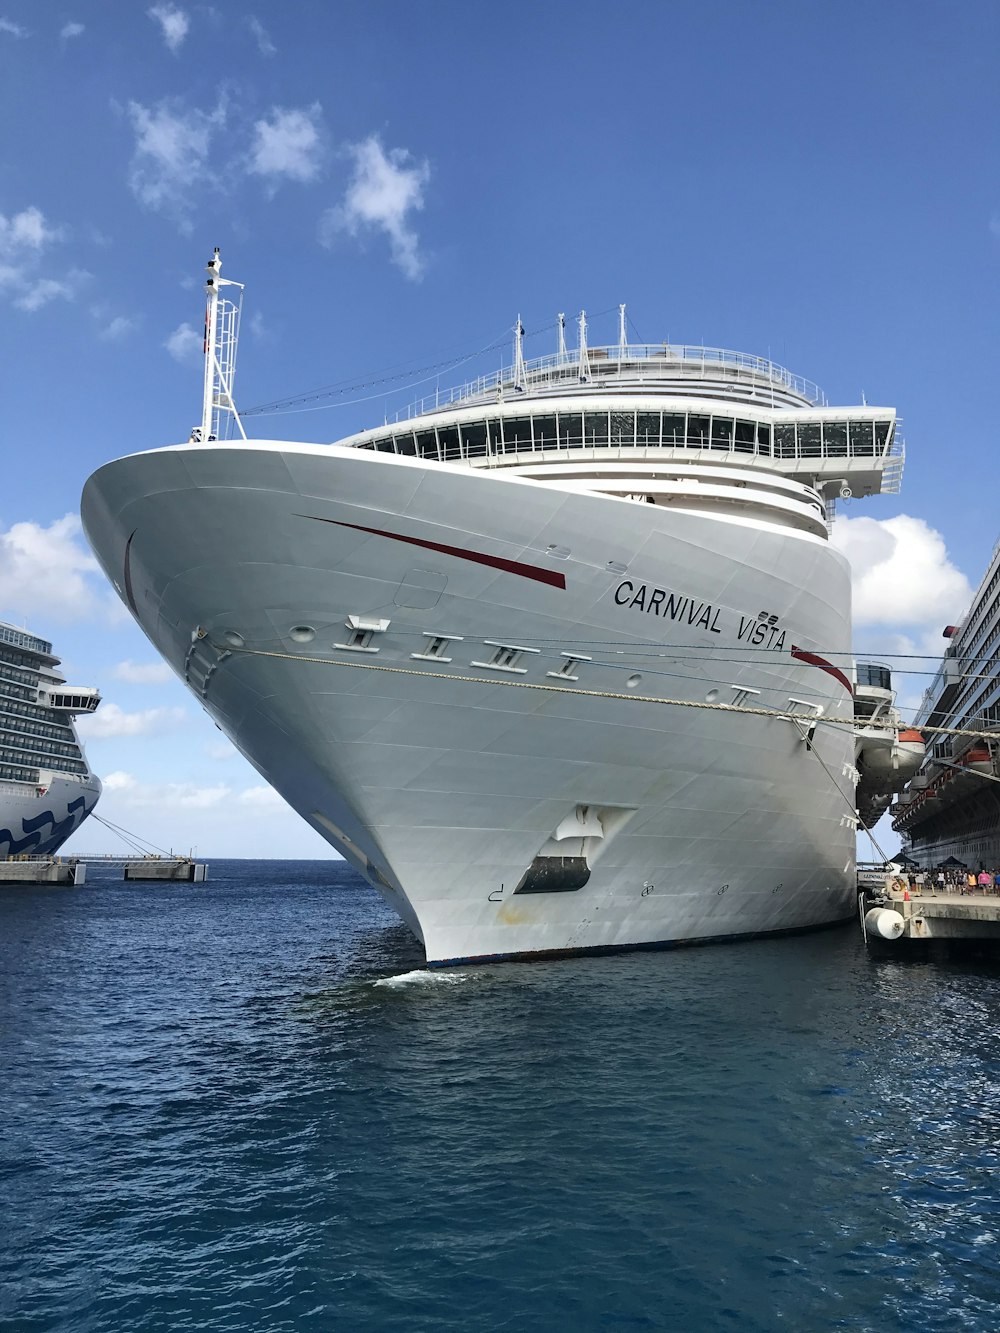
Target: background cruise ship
559 662
952 807
46 786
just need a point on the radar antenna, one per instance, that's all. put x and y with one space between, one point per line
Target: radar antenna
222 331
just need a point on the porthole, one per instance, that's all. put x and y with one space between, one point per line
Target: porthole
233 639
302 633
633 681
711 696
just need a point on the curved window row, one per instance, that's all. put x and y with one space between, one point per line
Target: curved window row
688 430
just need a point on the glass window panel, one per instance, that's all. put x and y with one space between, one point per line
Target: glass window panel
405 443
835 439
810 443
427 444
622 428
494 438
595 428
697 435
570 430
517 432
882 429
862 439
545 433
474 438
647 428
784 441
448 440
674 426
722 432
746 432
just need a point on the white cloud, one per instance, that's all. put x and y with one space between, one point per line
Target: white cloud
258 327
384 190
119 327
186 344
25 233
263 799
112 720
173 22
12 29
171 152
71 30
38 292
143 673
901 573
264 44
221 751
45 572
288 144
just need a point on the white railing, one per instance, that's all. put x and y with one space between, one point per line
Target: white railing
644 363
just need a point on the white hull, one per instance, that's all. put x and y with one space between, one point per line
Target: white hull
37 824
443 781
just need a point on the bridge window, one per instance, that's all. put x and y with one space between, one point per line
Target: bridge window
697 431
674 428
862 439
882 432
835 439
427 444
810 445
517 432
744 437
448 440
595 428
545 433
405 443
763 438
784 440
622 428
493 435
647 428
722 433
474 439
570 430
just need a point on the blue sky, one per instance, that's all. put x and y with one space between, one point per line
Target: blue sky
395 183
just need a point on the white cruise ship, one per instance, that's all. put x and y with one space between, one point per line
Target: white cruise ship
46 787
561 662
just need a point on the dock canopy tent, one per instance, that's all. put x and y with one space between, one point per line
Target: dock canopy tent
953 863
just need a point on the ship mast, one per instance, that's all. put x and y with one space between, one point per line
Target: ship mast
222 328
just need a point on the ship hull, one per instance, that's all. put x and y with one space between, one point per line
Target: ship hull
508 803
36 822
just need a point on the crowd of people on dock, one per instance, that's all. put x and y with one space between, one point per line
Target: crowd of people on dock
954 879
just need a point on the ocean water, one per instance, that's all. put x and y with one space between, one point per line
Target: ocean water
243 1105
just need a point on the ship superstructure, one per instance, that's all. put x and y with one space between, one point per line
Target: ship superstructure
952 806
47 788
560 662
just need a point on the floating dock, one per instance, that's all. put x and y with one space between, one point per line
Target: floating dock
45 870
73 870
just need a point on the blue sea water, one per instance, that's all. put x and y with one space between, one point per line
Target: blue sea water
243 1105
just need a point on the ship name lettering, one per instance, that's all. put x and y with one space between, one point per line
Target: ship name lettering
668 605
756 631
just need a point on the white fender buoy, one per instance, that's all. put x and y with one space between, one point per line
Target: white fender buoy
884 923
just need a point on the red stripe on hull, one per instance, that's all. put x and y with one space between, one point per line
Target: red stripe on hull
524 571
815 660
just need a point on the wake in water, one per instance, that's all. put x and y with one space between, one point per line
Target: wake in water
421 976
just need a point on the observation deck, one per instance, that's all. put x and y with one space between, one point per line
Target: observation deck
643 368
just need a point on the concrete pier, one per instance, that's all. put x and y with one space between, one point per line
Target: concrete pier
153 868
898 919
45 871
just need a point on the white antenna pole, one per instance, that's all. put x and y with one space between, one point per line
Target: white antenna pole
584 363
214 268
519 354
622 339
562 334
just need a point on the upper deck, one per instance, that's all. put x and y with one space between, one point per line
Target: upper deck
648 368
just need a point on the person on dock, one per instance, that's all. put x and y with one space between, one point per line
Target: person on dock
985 881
